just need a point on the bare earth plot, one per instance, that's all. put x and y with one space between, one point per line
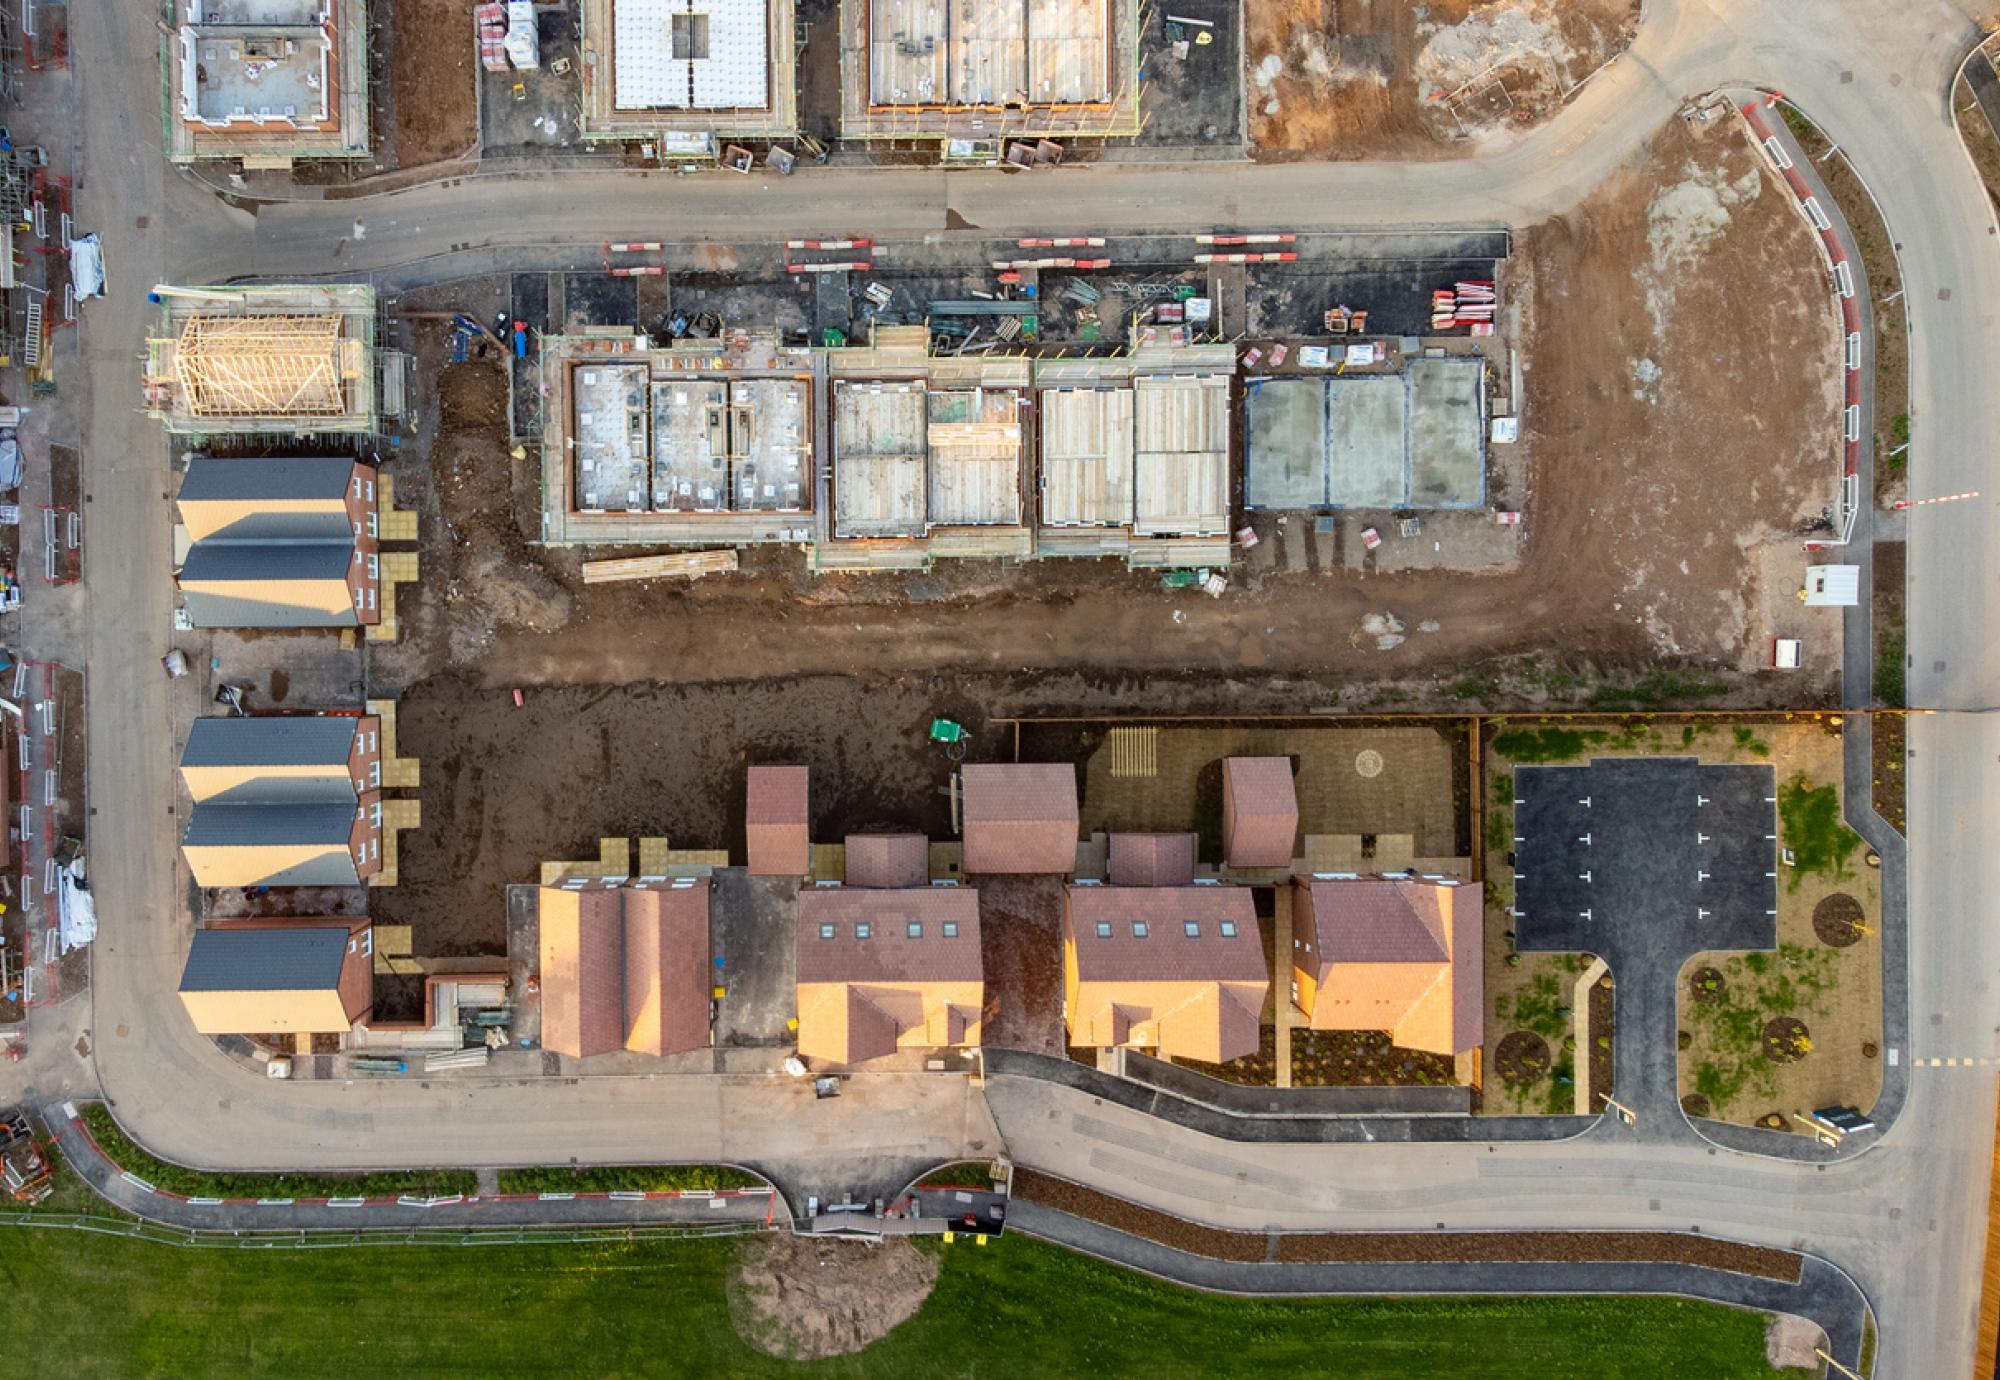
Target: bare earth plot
433 71
1388 79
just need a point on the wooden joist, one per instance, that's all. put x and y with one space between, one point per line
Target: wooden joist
689 563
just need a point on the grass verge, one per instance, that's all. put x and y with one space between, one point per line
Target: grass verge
1820 840
626 1178
124 1152
960 1174
1013 1308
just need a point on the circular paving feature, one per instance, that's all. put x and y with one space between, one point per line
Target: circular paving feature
1368 762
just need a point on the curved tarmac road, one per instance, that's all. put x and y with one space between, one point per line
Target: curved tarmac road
1903 1219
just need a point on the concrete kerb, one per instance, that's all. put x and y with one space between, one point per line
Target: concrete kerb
1957 75
1820 1280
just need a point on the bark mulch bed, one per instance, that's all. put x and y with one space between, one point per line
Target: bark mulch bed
1601 1062
1694 1104
1521 1058
1838 920
1334 1059
1786 1040
1405 1247
1705 986
1363 1058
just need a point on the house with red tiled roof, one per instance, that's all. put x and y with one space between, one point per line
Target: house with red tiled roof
887 861
1401 954
624 967
776 822
1260 812
1021 817
886 969
1178 970
1152 859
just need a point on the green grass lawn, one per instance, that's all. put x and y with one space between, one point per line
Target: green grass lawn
103 1305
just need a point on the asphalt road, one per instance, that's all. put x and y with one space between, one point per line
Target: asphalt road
1905 1219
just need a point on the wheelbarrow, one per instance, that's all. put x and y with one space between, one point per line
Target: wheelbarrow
951 736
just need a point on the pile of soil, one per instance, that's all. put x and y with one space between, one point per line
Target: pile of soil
802 1298
1785 1039
1838 920
1521 1058
1404 1247
1705 985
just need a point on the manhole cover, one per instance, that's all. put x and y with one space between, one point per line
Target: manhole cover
1368 762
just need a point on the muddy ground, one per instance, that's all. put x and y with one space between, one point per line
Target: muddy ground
1681 380
433 65
1385 78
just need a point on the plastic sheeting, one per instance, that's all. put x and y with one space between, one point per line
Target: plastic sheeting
86 267
76 909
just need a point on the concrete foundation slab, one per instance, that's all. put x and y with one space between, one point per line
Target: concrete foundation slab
1367 429
1284 423
1447 434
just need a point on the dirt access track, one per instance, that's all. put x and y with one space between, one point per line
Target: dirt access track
1390 79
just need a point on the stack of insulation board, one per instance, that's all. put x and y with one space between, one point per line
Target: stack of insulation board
491 19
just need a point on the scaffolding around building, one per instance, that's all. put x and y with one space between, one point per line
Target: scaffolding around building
292 84
678 85
280 360
1022 37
